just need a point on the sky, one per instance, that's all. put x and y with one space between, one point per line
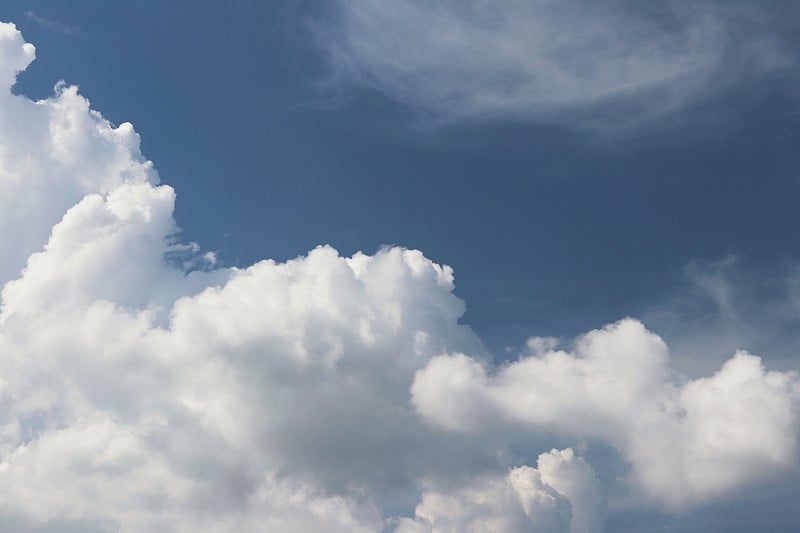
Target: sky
399 266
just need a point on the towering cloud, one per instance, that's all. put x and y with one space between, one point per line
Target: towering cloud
322 393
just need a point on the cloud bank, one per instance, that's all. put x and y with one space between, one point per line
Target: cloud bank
687 440
600 66
325 393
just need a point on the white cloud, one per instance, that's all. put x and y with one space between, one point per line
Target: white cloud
137 397
603 66
52 153
688 441
108 476
561 495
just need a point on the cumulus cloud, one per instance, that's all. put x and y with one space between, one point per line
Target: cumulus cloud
137 396
53 153
604 66
687 441
561 495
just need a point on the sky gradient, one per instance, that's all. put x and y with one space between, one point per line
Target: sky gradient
614 186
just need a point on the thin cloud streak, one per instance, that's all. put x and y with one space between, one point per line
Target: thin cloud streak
606 67
66 29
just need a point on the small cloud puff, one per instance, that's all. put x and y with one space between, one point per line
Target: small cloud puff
561 495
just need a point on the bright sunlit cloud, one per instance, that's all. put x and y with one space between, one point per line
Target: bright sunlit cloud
324 393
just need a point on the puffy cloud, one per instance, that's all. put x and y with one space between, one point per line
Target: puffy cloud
297 370
276 399
135 396
138 397
52 153
596 65
687 440
106 476
561 495
16 53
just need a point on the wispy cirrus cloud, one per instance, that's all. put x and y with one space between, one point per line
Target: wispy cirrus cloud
732 302
66 29
607 66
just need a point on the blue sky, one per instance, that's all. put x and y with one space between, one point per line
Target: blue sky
548 228
651 172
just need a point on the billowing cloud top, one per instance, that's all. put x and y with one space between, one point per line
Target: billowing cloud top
325 393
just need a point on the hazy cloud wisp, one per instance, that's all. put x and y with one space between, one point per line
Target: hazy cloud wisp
599 66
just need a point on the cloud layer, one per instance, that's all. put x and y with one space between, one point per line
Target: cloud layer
322 393
601 66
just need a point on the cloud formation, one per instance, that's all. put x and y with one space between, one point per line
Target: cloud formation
602 66
561 495
688 441
322 393
52 153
